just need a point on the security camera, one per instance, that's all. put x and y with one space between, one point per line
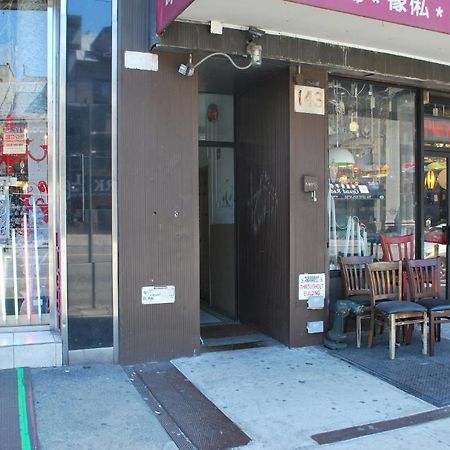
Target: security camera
255 33
186 69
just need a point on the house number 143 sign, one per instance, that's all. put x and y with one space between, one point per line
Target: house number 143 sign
309 99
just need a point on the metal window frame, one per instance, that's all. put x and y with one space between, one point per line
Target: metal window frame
420 184
61 137
114 179
52 177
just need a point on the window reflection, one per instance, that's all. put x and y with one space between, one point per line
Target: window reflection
89 174
371 166
24 276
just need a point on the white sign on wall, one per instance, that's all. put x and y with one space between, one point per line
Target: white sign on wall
14 143
153 295
311 285
141 61
309 99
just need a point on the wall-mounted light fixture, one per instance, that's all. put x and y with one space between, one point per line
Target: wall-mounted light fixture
430 180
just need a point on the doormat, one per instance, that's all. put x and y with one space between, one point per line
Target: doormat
425 377
17 419
200 422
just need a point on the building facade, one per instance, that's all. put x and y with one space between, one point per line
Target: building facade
165 162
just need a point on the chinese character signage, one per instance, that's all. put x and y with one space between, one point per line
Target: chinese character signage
371 190
436 130
428 14
167 11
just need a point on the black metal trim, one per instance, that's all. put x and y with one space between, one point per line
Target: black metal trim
420 175
154 39
447 252
216 144
419 154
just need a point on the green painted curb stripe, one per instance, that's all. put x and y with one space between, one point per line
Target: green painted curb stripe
23 413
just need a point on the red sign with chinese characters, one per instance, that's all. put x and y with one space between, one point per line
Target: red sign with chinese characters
437 130
428 14
167 11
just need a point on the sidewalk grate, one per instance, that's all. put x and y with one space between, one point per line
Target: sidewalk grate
345 434
206 427
425 377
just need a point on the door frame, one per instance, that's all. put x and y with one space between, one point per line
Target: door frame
420 188
444 155
101 355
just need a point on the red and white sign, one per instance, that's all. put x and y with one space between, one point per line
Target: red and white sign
167 11
311 285
427 14
14 143
436 130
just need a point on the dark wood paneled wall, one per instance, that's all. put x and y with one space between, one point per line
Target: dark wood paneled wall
334 58
158 199
262 205
309 229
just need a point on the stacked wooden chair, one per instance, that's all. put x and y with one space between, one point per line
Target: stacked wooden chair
386 293
424 287
356 287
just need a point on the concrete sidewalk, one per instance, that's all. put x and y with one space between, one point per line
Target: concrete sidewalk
93 408
280 397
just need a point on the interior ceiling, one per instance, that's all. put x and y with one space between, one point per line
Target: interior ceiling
281 17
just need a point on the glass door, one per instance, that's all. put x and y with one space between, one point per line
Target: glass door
436 202
89 175
436 208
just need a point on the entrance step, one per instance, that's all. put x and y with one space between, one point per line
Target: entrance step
30 349
232 336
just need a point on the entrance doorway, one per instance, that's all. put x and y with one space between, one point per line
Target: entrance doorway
216 206
436 201
436 211
220 324
237 211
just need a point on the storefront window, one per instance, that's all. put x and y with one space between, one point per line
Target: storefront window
371 166
24 274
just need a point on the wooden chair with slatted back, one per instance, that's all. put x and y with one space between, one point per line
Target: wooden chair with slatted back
397 248
424 282
356 286
385 284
